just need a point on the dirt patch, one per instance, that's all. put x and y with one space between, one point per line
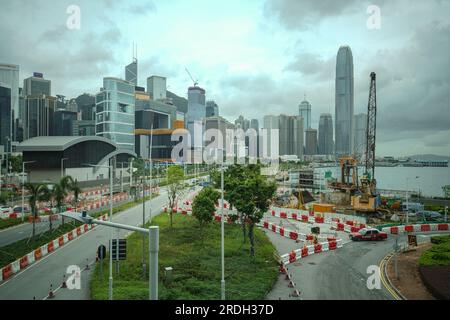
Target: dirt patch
437 280
409 282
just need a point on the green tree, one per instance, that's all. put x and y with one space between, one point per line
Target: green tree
37 192
203 206
16 163
175 186
59 193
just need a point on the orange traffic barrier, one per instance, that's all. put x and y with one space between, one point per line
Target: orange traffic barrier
37 254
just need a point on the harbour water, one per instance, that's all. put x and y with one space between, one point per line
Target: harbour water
429 181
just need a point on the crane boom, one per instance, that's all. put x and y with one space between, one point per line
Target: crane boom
192 78
371 128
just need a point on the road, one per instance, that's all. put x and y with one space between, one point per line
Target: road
335 275
34 282
24 230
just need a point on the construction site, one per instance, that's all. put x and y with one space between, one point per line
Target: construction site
352 191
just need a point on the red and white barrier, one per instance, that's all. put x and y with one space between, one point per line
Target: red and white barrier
7 271
298 254
419 228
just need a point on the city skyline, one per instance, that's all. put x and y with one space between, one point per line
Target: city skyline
235 79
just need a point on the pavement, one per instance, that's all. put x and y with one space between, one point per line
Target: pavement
34 282
334 275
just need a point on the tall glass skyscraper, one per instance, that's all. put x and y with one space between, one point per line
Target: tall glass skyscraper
325 143
131 72
9 75
115 112
344 124
5 115
304 110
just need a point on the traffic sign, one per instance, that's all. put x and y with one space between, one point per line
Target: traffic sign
101 252
122 249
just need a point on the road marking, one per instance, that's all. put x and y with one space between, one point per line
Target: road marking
383 265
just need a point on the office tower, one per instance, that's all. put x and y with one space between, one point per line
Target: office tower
360 134
212 109
343 119
5 116
271 125
290 134
38 116
304 110
311 142
86 106
254 124
9 76
37 85
242 123
196 110
64 123
72 106
325 141
115 112
156 87
84 127
131 72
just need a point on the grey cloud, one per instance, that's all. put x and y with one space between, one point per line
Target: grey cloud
309 64
142 9
301 14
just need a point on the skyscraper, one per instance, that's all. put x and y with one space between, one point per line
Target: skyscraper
344 126
325 143
304 110
9 76
242 123
311 142
115 112
212 109
131 72
37 85
360 134
5 115
156 87
38 116
290 134
196 110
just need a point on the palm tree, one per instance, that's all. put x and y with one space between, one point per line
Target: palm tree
59 193
37 192
75 188
64 184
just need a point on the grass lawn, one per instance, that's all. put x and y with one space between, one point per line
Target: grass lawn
438 254
195 259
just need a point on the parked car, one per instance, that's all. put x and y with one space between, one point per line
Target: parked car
428 215
18 209
6 210
368 234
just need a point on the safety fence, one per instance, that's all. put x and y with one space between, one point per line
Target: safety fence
9 270
335 222
419 228
294 235
309 250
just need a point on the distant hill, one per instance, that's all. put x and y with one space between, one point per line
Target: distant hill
180 102
429 157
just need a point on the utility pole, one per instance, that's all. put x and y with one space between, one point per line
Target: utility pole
446 209
222 235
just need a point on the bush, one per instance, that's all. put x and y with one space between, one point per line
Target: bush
439 254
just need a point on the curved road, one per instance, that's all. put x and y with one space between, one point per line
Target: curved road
34 281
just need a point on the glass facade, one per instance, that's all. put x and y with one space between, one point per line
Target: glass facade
5 115
115 112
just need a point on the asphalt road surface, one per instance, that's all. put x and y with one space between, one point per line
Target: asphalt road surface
334 275
24 230
34 281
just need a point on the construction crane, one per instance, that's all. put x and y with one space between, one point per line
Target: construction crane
192 78
371 131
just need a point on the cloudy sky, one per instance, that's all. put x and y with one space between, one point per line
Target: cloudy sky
252 57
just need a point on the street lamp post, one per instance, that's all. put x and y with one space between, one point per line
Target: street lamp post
222 235
407 199
23 187
153 238
110 167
